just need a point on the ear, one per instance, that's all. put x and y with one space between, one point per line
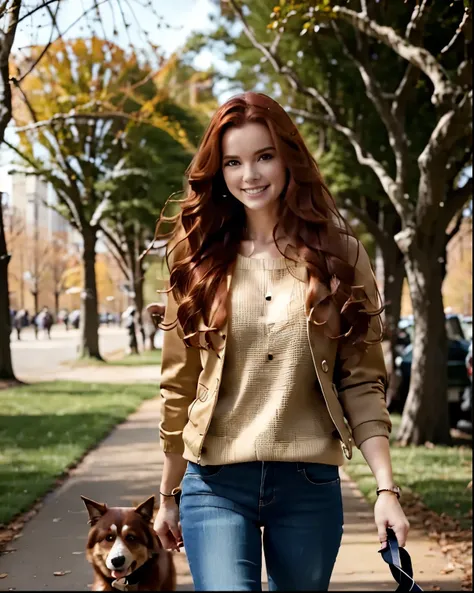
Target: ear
95 509
145 509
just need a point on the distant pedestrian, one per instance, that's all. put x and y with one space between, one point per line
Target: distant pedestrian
19 322
34 321
45 321
128 318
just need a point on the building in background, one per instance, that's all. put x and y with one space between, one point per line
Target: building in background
45 267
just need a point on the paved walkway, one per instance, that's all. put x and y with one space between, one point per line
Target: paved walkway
125 469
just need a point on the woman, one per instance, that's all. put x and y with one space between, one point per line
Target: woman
272 337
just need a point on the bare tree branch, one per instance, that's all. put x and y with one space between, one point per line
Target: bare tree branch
416 19
456 228
464 22
374 229
444 91
364 157
275 61
6 43
457 199
61 117
393 125
450 128
116 250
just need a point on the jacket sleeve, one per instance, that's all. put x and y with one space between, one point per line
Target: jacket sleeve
180 370
362 380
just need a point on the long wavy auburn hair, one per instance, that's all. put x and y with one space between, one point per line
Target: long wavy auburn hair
206 233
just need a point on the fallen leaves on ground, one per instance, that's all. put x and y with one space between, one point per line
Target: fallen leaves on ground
454 542
61 573
3 575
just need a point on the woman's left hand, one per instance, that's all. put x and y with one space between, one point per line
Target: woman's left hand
389 513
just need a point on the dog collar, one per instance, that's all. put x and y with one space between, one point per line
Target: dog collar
130 582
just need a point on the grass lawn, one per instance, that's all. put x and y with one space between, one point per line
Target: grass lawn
439 475
147 357
47 427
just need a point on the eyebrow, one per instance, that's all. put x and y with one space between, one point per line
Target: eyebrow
232 156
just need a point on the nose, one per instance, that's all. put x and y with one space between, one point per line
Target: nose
118 561
250 174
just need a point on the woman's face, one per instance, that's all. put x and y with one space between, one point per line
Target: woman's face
253 170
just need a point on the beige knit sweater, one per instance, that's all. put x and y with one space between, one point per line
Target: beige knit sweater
270 406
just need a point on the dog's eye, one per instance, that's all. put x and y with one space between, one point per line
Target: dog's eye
130 538
109 538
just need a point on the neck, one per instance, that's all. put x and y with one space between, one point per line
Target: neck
259 226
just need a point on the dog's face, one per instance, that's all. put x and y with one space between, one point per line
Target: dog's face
120 539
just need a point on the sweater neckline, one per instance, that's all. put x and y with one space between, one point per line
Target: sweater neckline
268 263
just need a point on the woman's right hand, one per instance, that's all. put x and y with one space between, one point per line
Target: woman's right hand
167 525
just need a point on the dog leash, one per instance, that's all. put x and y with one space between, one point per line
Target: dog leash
399 562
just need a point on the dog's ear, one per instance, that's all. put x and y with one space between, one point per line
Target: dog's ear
95 509
145 509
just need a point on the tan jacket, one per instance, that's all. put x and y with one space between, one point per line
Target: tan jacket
190 379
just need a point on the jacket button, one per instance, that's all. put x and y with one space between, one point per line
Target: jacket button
324 366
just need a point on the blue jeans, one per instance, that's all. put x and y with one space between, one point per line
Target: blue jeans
224 507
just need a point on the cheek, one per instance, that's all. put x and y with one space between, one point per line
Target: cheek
99 554
231 178
277 174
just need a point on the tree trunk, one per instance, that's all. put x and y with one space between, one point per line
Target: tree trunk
6 368
35 300
89 322
138 281
394 274
56 304
426 413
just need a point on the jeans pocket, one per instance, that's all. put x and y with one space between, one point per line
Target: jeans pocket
203 471
319 474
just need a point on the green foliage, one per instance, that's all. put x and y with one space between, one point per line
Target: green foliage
48 427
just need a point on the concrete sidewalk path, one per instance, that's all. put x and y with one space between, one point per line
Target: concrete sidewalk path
125 469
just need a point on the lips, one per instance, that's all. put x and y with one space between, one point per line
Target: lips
254 191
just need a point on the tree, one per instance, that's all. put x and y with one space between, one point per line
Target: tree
13 15
128 224
74 134
428 47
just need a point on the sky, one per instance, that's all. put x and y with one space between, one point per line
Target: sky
182 17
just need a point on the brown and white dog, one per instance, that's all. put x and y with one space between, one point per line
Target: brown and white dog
125 551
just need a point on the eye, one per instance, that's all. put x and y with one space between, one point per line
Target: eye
109 537
130 538
231 163
266 156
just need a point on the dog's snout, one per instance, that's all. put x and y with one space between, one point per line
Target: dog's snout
118 561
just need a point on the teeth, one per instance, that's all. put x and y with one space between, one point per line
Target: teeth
256 190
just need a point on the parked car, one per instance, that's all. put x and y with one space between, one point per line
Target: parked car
458 378
466 322
465 422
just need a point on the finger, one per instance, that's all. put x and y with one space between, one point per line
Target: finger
382 534
166 537
176 531
401 535
167 541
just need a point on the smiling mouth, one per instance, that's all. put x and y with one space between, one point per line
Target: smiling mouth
254 191
119 574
